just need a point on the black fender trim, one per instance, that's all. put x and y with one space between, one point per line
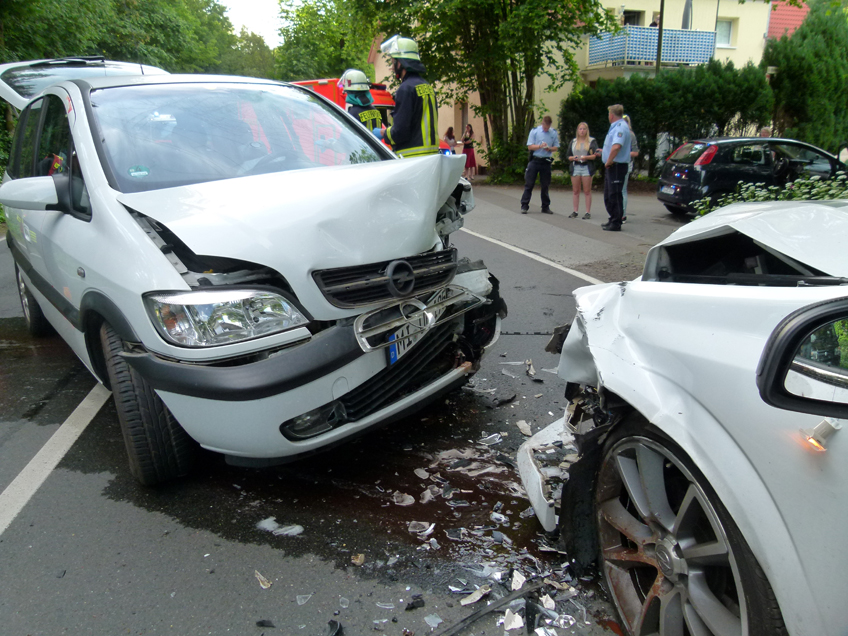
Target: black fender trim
47 290
99 303
328 351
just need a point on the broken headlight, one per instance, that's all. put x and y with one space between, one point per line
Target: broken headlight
212 318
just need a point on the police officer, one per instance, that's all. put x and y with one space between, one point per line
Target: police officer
357 90
542 142
616 158
414 129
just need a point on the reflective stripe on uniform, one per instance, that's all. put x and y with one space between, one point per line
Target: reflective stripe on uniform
418 151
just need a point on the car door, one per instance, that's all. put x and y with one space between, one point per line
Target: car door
748 163
803 161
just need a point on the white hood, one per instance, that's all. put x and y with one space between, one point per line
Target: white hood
813 233
304 220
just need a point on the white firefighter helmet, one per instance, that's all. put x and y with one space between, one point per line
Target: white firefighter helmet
400 48
354 80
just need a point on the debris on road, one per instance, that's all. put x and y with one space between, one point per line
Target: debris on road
264 623
476 595
402 499
518 580
343 602
421 473
524 427
357 559
263 582
494 438
512 621
334 628
303 599
433 620
270 525
415 603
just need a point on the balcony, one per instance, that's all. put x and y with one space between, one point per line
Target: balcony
637 46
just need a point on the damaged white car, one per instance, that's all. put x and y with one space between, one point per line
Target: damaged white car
241 263
700 462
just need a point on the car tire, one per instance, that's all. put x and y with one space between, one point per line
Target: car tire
158 448
37 323
671 556
674 209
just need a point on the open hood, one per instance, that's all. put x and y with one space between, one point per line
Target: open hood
303 220
812 233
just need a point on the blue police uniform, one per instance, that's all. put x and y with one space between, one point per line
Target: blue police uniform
619 134
540 164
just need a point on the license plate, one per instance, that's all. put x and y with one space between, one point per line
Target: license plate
404 338
667 189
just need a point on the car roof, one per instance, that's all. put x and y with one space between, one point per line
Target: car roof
727 141
21 81
141 80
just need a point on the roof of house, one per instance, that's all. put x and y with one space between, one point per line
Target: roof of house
785 19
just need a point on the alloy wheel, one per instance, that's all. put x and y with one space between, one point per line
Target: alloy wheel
665 555
22 292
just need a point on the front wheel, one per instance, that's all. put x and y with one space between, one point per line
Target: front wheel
672 557
158 448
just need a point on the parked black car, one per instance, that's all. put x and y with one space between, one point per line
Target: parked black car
713 167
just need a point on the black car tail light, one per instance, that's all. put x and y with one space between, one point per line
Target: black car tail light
707 156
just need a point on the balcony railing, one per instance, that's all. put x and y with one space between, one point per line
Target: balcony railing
636 45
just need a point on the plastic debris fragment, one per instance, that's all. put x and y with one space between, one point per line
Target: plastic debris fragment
263 582
494 438
527 513
431 493
303 599
434 544
421 528
343 602
433 620
545 631
402 499
421 473
565 621
288 531
513 364
334 628
531 370
548 602
499 518
264 623
512 621
357 559
386 605
517 580
392 560
524 427
476 595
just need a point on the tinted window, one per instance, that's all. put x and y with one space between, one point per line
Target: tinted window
688 152
160 136
12 167
755 154
26 167
55 140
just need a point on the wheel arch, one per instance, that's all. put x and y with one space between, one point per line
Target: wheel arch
95 309
723 464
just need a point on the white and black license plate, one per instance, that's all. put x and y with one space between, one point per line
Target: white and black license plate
405 338
667 189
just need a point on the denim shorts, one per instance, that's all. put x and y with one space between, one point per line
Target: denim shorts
581 171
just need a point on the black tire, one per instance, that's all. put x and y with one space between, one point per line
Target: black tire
675 209
158 448
649 501
37 324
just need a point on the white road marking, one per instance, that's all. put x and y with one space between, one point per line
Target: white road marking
536 257
29 480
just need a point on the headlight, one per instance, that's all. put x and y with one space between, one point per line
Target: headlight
212 318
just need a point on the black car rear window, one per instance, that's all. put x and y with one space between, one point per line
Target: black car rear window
689 152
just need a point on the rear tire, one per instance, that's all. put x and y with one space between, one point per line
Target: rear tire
671 556
37 324
158 448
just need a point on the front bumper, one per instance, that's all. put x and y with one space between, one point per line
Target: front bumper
247 410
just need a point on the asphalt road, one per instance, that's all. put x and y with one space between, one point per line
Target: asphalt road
92 552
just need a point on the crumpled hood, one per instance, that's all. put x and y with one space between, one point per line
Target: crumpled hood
304 220
810 232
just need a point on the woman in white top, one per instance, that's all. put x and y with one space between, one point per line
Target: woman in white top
450 140
582 153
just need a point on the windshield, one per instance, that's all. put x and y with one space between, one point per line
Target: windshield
161 136
27 81
688 152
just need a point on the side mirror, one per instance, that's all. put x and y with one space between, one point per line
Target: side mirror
804 366
31 193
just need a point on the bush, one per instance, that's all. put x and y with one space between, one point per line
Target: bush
802 189
507 162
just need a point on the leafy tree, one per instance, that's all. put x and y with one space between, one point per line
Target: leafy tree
810 86
323 38
496 49
251 57
713 99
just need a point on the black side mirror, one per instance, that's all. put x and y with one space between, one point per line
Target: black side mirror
804 366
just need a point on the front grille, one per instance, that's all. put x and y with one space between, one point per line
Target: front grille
426 361
362 285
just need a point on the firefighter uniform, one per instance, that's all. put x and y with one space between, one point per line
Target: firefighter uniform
414 129
367 115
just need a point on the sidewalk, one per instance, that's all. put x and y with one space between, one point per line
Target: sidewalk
573 243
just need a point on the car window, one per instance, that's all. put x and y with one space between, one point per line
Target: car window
804 161
166 135
26 164
55 140
688 152
754 154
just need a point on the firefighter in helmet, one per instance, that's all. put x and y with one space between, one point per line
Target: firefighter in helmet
414 129
357 90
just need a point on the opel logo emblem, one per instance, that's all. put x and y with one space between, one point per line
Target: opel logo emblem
401 278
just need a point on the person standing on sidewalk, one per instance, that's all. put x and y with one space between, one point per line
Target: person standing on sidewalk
583 151
634 152
542 142
616 158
